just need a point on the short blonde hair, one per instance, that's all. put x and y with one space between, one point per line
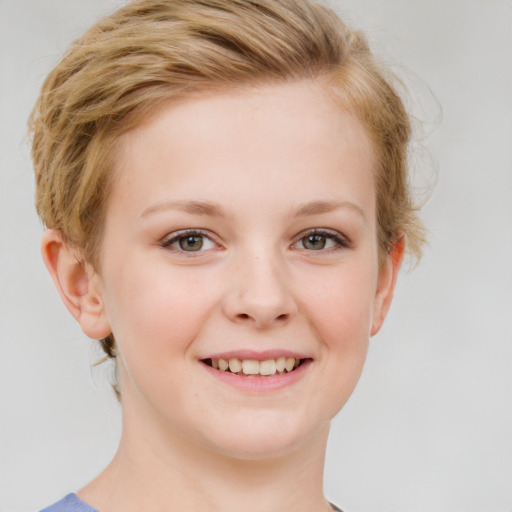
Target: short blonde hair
152 50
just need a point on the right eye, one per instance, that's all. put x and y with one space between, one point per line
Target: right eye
188 241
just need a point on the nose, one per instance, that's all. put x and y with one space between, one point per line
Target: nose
259 293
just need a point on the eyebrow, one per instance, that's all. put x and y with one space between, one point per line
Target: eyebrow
212 209
194 207
318 207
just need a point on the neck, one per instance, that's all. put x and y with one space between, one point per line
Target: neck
158 473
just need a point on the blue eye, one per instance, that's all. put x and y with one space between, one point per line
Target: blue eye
189 241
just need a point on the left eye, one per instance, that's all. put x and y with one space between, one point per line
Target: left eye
189 242
319 241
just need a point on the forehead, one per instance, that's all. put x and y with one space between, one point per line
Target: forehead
293 136
250 107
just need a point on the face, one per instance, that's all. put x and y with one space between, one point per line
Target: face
241 232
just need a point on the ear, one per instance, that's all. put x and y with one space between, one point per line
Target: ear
388 273
79 286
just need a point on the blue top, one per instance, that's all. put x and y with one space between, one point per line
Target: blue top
72 503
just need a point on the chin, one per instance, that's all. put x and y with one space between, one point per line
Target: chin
260 450
263 440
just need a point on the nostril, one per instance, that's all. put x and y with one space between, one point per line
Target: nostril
245 316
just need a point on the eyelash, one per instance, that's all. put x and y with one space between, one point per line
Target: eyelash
340 241
167 242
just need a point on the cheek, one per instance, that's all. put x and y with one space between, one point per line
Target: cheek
156 311
341 308
340 315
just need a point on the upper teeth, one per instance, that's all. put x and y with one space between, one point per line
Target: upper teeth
254 367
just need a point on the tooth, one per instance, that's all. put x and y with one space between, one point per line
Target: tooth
268 367
223 365
281 364
297 362
290 363
250 367
235 365
215 363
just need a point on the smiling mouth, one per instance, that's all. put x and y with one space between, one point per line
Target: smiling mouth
247 367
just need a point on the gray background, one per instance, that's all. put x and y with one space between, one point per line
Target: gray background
429 427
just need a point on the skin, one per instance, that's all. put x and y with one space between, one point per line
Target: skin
266 157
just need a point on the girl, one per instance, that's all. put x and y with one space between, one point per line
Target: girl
224 184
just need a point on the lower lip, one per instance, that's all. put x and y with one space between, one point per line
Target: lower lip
258 383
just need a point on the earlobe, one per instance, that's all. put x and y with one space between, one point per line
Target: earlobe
388 274
77 283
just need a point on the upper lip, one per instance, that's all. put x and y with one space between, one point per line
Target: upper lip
256 355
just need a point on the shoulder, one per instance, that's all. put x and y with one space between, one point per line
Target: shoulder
70 503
